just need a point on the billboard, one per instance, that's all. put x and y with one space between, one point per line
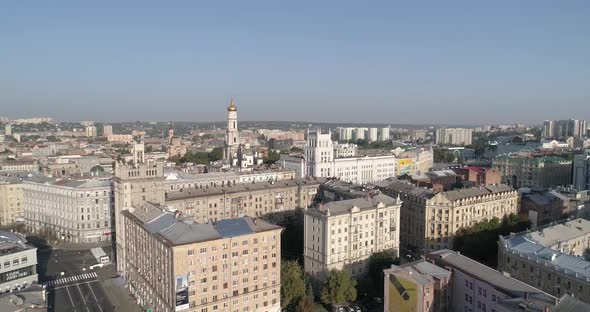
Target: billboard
404 166
402 294
181 286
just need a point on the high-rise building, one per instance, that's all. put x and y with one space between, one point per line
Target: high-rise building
561 129
453 136
135 183
342 235
232 136
360 133
174 264
373 134
540 172
107 130
90 131
8 129
581 170
384 134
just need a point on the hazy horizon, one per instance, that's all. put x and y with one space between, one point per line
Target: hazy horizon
452 62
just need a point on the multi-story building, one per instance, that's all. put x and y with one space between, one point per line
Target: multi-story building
91 131
549 258
540 172
581 180
19 165
342 235
18 262
418 134
384 134
372 137
78 211
342 150
476 287
429 220
453 136
211 203
8 129
479 175
11 200
542 207
175 264
560 129
417 286
232 136
107 130
135 183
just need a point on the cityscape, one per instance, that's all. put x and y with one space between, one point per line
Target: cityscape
134 192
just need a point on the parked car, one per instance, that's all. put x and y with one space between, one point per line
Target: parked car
357 308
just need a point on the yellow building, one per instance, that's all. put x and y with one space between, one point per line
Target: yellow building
11 200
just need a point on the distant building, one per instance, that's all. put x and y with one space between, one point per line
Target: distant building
541 172
18 262
453 136
542 207
372 137
19 165
479 175
90 131
418 134
581 180
120 138
384 134
561 129
8 129
550 258
77 211
342 235
201 267
107 130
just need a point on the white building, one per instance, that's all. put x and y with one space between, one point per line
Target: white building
343 234
345 150
360 133
384 135
8 129
90 131
232 135
107 130
373 134
18 262
453 136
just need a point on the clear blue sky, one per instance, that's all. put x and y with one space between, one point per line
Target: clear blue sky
460 62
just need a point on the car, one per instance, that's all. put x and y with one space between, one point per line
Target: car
357 308
350 309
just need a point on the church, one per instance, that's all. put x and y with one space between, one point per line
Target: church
235 153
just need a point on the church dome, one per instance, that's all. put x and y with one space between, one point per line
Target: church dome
232 107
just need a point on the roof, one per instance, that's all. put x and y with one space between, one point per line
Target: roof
167 226
550 236
569 304
486 274
344 206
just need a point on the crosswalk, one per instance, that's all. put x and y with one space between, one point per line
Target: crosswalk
70 279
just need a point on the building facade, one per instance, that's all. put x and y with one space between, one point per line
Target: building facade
177 265
541 172
77 211
453 136
18 262
429 220
581 178
107 130
561 129
11 200
342 235
232 135
550 258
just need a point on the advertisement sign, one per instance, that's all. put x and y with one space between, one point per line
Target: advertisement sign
402 294
405 166
181 286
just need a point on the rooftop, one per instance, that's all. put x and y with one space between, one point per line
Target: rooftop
344 206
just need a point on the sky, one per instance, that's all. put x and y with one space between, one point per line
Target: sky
420 62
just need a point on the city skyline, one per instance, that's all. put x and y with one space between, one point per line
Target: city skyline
387 63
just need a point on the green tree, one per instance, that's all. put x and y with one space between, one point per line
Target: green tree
296 149
215 154
273 156
292 284
377 263
305 304
338 289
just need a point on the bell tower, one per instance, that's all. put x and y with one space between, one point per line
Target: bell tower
232 137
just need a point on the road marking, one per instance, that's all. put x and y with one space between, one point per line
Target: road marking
93 295
82 295
70 279
66 286
72 301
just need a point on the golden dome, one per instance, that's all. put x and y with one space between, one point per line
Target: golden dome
232 107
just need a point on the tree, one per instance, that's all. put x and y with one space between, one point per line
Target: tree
296 149
272 157
292 284
305 304
377 263
338 289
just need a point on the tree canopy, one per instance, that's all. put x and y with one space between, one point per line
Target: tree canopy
377 263
273 157
338 289
292 284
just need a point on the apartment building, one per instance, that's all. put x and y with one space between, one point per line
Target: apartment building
479 175
542 207
18 262
541 172
429 220
11 199
174 265
342 235
550 258
19 165
453 136
78 211
249 199
581 178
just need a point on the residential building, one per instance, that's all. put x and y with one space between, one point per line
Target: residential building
372 137
342 235
559 129
120 138
417 286
19 165
438 180
343 150
11 200
8 129
418 134
175 264
212 203
78 211
453 136
91 131
539 172
476 287
549 258
581 179
107 130
479 175
384 134
542 207
18 262
429 220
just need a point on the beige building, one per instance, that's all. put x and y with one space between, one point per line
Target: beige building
342 235
542 172
430 220
11 200
175 265
550 258
453 136
211 203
